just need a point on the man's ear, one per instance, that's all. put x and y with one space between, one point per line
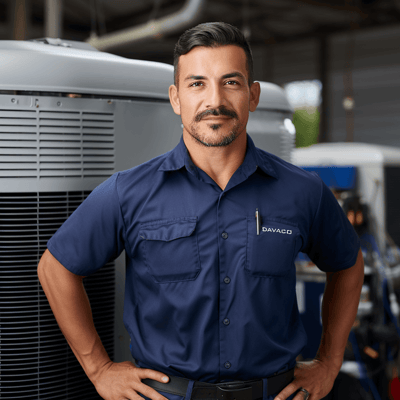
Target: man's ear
255 91
174 99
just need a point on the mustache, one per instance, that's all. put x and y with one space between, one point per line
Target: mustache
216 111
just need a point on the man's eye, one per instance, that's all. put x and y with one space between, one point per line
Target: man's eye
232 82
196 84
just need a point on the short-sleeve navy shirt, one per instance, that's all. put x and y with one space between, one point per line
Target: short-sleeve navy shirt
207 298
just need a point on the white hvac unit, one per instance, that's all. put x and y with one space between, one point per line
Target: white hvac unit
71 116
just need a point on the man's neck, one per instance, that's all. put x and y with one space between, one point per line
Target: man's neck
219 163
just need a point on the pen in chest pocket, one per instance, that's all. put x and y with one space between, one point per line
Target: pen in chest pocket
258 221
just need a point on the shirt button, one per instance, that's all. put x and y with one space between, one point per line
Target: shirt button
227 365
224 235
227 279
226 321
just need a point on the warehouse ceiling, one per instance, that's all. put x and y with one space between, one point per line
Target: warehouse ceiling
265 22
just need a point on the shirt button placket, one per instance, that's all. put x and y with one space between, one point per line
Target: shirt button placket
224 289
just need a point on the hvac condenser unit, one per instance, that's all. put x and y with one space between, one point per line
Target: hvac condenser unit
71 116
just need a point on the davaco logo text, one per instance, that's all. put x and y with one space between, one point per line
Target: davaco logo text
277 230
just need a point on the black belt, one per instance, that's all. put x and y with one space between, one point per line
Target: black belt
237 390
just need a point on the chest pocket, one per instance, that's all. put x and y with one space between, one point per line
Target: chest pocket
170 249
271 253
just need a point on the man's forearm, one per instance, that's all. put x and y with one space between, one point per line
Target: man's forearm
339 310
70 305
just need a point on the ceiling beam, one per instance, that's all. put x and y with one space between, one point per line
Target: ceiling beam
347 7
116 23
326 31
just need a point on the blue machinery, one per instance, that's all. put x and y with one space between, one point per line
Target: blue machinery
375 337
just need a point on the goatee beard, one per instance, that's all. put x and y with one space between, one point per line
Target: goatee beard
224 141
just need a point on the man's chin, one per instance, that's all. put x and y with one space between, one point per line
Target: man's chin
216 141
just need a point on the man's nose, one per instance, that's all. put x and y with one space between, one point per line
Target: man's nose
215 96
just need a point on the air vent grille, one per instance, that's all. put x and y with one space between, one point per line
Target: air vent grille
56 144
35 359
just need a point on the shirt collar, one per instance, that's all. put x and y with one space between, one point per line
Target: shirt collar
179 158
176 158
256 158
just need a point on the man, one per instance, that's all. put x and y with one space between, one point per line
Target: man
210 287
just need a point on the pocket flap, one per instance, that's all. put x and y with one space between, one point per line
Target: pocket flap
167 230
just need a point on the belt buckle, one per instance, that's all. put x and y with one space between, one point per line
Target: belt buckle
234 391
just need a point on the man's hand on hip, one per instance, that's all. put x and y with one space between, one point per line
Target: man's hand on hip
316 377
118 381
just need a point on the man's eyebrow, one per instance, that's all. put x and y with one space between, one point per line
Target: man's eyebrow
194 77
234 75
226 76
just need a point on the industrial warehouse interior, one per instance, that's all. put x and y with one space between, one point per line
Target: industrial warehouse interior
84 94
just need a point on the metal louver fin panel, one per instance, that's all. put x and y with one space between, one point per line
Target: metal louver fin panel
40 144
18 143
35 359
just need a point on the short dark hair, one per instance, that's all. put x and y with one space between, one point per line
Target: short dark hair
212 34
